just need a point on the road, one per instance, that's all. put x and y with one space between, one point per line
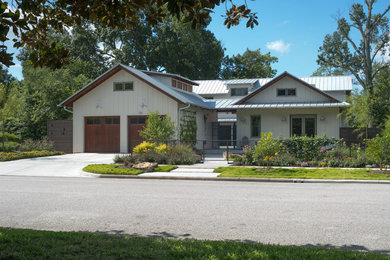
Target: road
350 216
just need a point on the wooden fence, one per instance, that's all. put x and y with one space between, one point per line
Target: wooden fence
355 136
61 133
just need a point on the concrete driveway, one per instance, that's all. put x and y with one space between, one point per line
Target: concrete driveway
68 165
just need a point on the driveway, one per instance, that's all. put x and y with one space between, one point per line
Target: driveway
68 165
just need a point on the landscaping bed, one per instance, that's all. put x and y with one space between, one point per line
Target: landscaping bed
32 244
119 170
303 173
9 156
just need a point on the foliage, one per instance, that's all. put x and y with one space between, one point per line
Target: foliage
144 147
358 113
329 71
301 173
37 145
378 149
379 99
158 128
341 51
9 156
251 64
306 148
266 149
182 154
165 168
85 245
31 22
162 148
110 169
9 146
188 127
10 137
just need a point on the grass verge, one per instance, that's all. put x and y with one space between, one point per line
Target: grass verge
10 156
111 169
31 244
301 173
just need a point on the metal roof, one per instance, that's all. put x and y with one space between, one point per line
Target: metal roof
329 83
228 104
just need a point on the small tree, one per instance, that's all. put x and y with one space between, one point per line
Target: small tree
158 128
267 148
378 150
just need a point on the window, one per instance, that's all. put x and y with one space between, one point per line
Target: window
284 92
173 83
121 86
239 92
255 126
301 125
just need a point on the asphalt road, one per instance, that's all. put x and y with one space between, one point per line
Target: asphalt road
353 216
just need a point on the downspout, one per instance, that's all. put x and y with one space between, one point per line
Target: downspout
67 110
178 119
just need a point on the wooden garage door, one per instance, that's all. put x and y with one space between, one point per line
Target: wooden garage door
136 123
102 134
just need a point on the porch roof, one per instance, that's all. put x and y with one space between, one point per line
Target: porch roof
229 104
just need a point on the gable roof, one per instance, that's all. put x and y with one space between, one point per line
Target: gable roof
175 94
276 79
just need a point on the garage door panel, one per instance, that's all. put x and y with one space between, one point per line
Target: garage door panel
102 134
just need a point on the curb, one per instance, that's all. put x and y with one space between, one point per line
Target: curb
240 179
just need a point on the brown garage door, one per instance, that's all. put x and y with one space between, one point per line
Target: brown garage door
102 134
136 123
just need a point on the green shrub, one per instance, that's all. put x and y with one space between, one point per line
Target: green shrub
182 154
151 156
144 147
9 137
24 155
266 149
378 150
9 146
248 155
284 159
306 148
158 129
37 145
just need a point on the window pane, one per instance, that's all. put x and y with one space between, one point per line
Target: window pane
142 120
108 120
116 121
174 83
129 86
133 121
291 92
96 121
245 91
89 121
255 126
118 86
310 127
281 92
179 85
296 126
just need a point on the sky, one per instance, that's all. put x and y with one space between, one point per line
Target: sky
291 30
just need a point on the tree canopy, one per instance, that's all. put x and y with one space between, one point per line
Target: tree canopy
31 21
251 64
340 50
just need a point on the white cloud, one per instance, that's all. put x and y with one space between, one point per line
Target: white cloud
279 46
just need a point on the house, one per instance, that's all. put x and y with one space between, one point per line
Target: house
109 112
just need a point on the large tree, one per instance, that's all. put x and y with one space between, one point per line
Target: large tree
251 64
30 21
357 55
170 46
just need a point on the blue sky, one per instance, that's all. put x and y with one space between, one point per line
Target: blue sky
292 30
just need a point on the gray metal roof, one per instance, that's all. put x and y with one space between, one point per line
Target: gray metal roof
330 83
228 104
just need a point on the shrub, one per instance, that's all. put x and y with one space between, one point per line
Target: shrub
25 155
248 155
144 147
38 145
182 154
126 158
266 149
284 159
158 129
378 149
162 149
9 137
150 156
306 148
9 146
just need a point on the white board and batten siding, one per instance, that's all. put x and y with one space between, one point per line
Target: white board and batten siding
104 101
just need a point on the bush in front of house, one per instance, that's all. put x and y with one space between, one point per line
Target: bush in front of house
9 142
378 150
266 149
164 154
9 156
37 145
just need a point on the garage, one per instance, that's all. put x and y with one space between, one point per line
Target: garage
136 123
102 134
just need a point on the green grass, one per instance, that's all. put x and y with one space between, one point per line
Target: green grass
111 169
31 244
10 156
302 173
165 168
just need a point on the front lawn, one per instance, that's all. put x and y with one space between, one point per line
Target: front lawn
112 169
10 156
302 173
31 244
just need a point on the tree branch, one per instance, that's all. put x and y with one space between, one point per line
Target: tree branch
379 18
385 65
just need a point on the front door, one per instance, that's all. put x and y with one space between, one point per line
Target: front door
135 124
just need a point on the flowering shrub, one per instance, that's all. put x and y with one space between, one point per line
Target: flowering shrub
162 148
266 149
144 147
37 145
